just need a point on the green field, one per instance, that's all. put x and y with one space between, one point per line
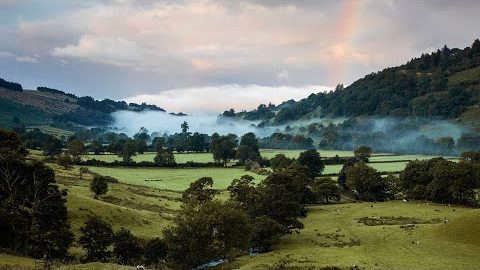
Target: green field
149 156
208 157
269 153
146 200
173 179
332 236
381 167
179 179
266 153
380 158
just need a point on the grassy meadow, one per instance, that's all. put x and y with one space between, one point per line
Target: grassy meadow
208 157
146 199
177 179
333 236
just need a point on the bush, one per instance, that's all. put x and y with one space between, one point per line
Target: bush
97 236
155 252
265 233
326 189
99 186
65 161
126 247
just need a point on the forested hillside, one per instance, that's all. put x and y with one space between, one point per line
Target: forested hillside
47 106
444 84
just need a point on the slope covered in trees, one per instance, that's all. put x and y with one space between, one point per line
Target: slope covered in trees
58 108
445 84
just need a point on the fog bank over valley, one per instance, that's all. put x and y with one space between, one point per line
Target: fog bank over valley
130 123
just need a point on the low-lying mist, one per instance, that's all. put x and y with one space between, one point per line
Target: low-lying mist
383 134
130 123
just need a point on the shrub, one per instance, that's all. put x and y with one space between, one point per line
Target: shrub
99 186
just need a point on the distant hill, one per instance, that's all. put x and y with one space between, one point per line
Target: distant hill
47 106
442 84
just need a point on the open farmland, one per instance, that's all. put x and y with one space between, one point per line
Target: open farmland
333 236
174 179
266 153
208 157
180 178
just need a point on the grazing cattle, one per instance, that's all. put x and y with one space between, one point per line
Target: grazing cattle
140 267
405 201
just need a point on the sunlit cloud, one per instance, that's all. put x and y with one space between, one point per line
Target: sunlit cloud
224 97
125 48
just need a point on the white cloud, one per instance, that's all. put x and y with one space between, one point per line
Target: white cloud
109 50
188 43
21 59
4 54
26 59
223 97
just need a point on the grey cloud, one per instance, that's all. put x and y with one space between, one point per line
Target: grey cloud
122 48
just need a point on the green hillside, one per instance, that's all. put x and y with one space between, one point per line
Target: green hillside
55 108
445 84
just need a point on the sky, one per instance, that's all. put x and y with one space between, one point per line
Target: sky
211 55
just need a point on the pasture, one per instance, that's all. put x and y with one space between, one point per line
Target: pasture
208 157
266 153
333 236
146 199
144 211
177 179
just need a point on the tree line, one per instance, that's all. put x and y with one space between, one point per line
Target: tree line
10 85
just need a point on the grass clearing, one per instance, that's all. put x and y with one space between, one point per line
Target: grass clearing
176 179
390 158
266 153
332 236
143 210
208 157
8 261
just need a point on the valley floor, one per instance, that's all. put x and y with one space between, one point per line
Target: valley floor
333 235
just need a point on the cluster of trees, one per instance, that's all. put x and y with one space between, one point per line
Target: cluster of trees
225 148
55 91
262 112
188 142
102 244
286 141
254 217
10 85
251 220
443 181
437 180
33 215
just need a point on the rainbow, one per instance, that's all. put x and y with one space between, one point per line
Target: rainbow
345 29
